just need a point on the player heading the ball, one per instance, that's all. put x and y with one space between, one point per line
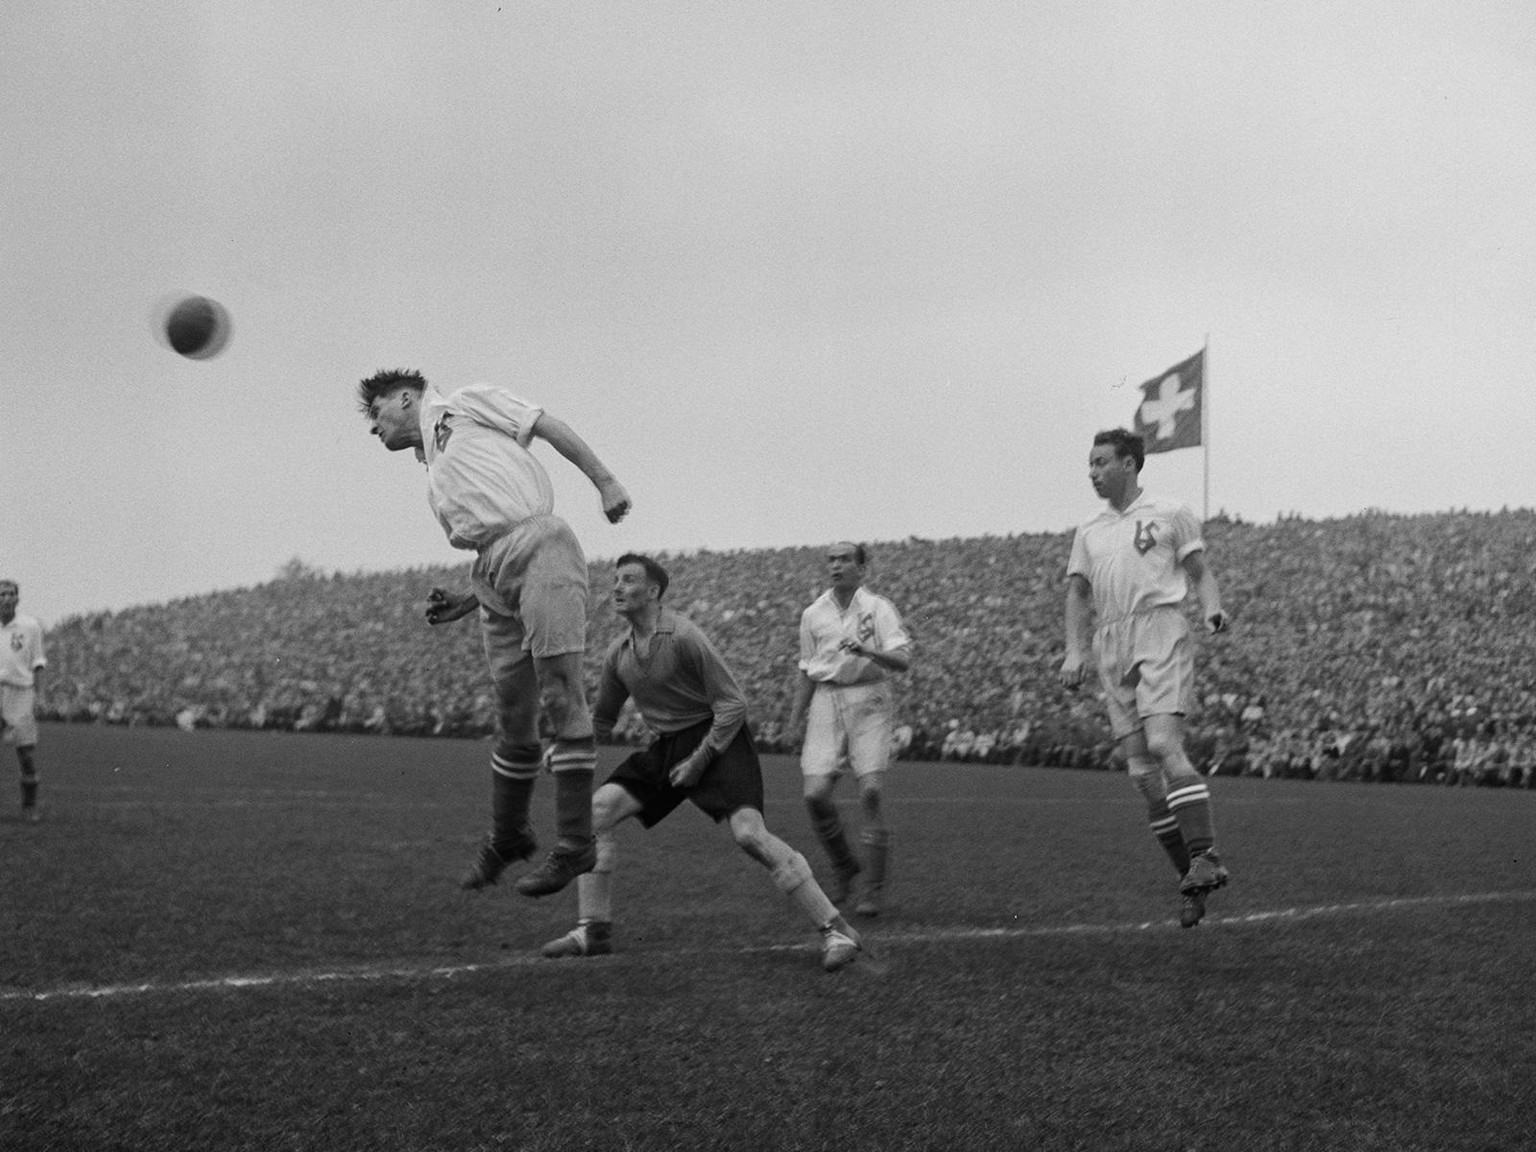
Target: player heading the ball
529 583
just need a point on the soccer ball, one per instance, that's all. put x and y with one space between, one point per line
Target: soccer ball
197 327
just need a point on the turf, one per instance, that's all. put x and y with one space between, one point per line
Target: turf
255 941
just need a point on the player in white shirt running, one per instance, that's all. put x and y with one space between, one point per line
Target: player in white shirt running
21 688
492 496
850 642
1132 566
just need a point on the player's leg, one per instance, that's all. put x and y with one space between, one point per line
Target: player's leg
1164 695
1147 775
553 607
821 762
840 944
877 843
612 804
869 717
18 720
573 762
516 757
25 755
638 787
1188 797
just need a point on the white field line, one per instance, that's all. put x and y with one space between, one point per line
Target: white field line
879 942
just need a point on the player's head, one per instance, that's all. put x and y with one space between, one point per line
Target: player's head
1115 462
845 564
10 594
390 399
638 583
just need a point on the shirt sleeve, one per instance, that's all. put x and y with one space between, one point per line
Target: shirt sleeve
726 699
889 630
1077 565
611 694
1186 533
807 641
497 408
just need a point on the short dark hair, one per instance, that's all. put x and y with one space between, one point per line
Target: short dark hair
385 381
1125 444
860 553
654 572
4 583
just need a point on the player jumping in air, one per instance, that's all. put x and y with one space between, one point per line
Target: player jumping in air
1131 566
703 752
530 585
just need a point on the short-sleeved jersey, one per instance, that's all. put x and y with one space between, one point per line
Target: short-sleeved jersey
870 619
481 477
681 681
1134 559
21 651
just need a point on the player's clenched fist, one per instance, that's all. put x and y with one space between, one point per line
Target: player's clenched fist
1071 671
443 607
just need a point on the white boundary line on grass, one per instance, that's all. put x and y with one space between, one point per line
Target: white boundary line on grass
933 936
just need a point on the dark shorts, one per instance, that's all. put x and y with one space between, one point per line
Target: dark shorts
734 779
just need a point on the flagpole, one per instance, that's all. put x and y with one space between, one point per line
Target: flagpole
1205 420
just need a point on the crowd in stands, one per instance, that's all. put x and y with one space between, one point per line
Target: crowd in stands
1375 647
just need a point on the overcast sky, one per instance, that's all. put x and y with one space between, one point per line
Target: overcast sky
797 271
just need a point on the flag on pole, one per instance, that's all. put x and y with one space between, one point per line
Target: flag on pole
1169 414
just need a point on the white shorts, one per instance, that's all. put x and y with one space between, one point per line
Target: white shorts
852 723
18 708
1146 667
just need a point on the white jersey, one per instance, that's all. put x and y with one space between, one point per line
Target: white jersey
21 651
871 620
481 478
1134 559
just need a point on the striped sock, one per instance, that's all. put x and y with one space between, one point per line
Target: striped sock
1190 802
512 777
1165 826
574 764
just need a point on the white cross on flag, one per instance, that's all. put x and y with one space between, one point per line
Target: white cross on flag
1168 416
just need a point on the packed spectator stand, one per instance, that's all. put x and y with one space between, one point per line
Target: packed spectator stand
1375 647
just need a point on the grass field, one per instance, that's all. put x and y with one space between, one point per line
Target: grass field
255 941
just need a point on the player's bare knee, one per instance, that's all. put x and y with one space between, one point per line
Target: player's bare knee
818 794
753 837
1164 744
607 809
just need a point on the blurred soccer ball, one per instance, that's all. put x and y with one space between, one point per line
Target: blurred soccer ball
197 327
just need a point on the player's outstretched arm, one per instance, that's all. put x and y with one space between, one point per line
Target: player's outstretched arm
1204 580
564 440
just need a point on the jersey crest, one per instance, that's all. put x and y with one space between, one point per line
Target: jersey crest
441 431
866 629
1146 536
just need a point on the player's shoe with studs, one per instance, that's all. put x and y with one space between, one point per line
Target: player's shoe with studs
1192 910
558 870
839 948
1206 874
490 863
589 938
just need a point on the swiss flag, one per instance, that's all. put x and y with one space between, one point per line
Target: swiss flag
1169 414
